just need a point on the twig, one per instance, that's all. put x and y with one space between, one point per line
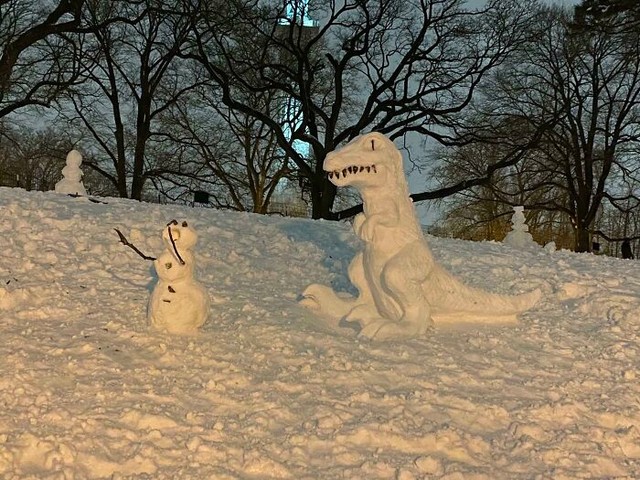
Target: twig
173 244
126 242
94 200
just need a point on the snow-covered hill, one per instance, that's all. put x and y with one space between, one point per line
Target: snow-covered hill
265 390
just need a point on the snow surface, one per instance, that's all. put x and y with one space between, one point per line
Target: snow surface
88 390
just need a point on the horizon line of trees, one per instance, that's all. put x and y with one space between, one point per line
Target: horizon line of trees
530 104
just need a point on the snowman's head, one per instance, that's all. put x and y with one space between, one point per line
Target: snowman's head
74 159
179 236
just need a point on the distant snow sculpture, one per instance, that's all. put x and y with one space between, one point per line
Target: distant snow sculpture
519 236
71 182
401 289
179 303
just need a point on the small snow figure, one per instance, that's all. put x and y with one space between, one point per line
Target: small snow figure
627 254
178 304
71 183
519 235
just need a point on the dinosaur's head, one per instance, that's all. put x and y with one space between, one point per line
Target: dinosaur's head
370 160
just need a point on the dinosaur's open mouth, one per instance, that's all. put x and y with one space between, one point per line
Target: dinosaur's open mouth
354 169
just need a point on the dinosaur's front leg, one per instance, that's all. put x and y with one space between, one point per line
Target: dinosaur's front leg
359 280
339 306
403 279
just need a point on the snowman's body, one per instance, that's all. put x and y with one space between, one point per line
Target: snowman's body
71 182
179 303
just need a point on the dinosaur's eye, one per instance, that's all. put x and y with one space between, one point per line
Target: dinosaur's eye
184 224
373 145
168 265
172 222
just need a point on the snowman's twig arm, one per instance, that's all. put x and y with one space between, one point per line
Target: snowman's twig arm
126 242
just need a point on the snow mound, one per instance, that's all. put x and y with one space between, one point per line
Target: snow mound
265 390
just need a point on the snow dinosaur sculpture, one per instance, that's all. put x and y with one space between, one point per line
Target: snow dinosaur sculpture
402 290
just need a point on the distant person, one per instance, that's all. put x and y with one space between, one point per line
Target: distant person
626 250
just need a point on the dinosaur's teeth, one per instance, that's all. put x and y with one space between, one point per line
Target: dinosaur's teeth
352 169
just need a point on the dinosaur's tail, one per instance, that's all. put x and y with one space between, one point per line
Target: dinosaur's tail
460 303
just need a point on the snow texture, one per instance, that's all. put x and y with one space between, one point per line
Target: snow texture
71 183
402 290
179 303
264 391
519 236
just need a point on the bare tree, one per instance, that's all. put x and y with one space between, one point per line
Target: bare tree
395 66
32 159
589 13
134 79
229 154
482 212
36 60
589 81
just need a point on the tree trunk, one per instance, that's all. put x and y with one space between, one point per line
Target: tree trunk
583 238
323 194
121 181
138 179
143 128
136 187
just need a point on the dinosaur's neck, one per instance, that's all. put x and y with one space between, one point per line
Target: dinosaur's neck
392 202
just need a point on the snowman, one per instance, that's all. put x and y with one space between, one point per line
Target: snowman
71 182
519 235
178 303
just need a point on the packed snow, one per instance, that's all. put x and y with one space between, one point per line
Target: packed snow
264 389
